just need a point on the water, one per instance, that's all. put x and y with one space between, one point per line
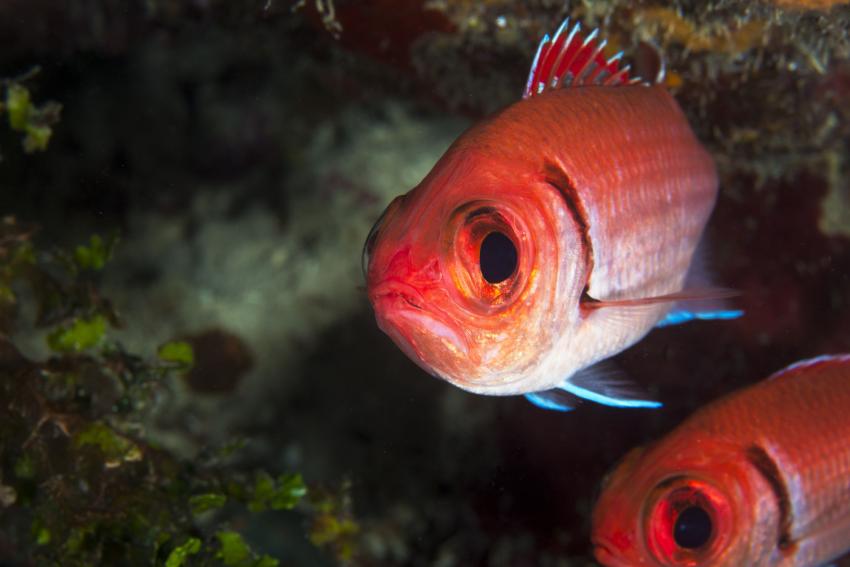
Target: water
240 155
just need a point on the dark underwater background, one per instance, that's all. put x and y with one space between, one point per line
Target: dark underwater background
207 185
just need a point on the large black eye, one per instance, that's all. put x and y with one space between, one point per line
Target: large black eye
498 257
693 528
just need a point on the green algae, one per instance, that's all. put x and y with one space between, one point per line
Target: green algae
82 334
234 552
96 254
35 122
178 352
201 503
85 481
181 553
280 494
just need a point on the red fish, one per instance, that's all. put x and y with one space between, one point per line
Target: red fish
549 237
761 477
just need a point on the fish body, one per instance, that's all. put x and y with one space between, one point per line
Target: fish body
598 192
761 477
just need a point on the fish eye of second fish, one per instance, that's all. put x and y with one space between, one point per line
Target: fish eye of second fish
520 261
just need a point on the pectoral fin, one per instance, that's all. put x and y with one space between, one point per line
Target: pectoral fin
688 305
688 295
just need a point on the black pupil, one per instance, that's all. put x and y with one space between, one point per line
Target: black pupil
693 528
498 257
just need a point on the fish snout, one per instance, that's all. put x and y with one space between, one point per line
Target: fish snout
403 277
406 265
408 315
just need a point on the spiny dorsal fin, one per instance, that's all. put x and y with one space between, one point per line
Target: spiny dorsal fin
824 360
572 59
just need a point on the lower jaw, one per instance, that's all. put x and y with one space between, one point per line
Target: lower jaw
450 358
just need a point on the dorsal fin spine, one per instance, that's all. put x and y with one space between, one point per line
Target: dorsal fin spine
554 76
584 57
614 58
575 51
619 76
591 68
607 65
569 59
605 71
561 29
529 84
555 49
546 65
566 56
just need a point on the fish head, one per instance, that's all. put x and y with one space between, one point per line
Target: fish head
683 502
476 271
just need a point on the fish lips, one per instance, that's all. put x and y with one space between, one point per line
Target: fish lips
423 334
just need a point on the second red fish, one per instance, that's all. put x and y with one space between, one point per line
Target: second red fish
760 477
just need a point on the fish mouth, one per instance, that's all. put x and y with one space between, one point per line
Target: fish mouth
402 314
394 289
434 340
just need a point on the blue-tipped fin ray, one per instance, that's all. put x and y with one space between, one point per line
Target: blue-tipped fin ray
678 316
555 399
601 383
